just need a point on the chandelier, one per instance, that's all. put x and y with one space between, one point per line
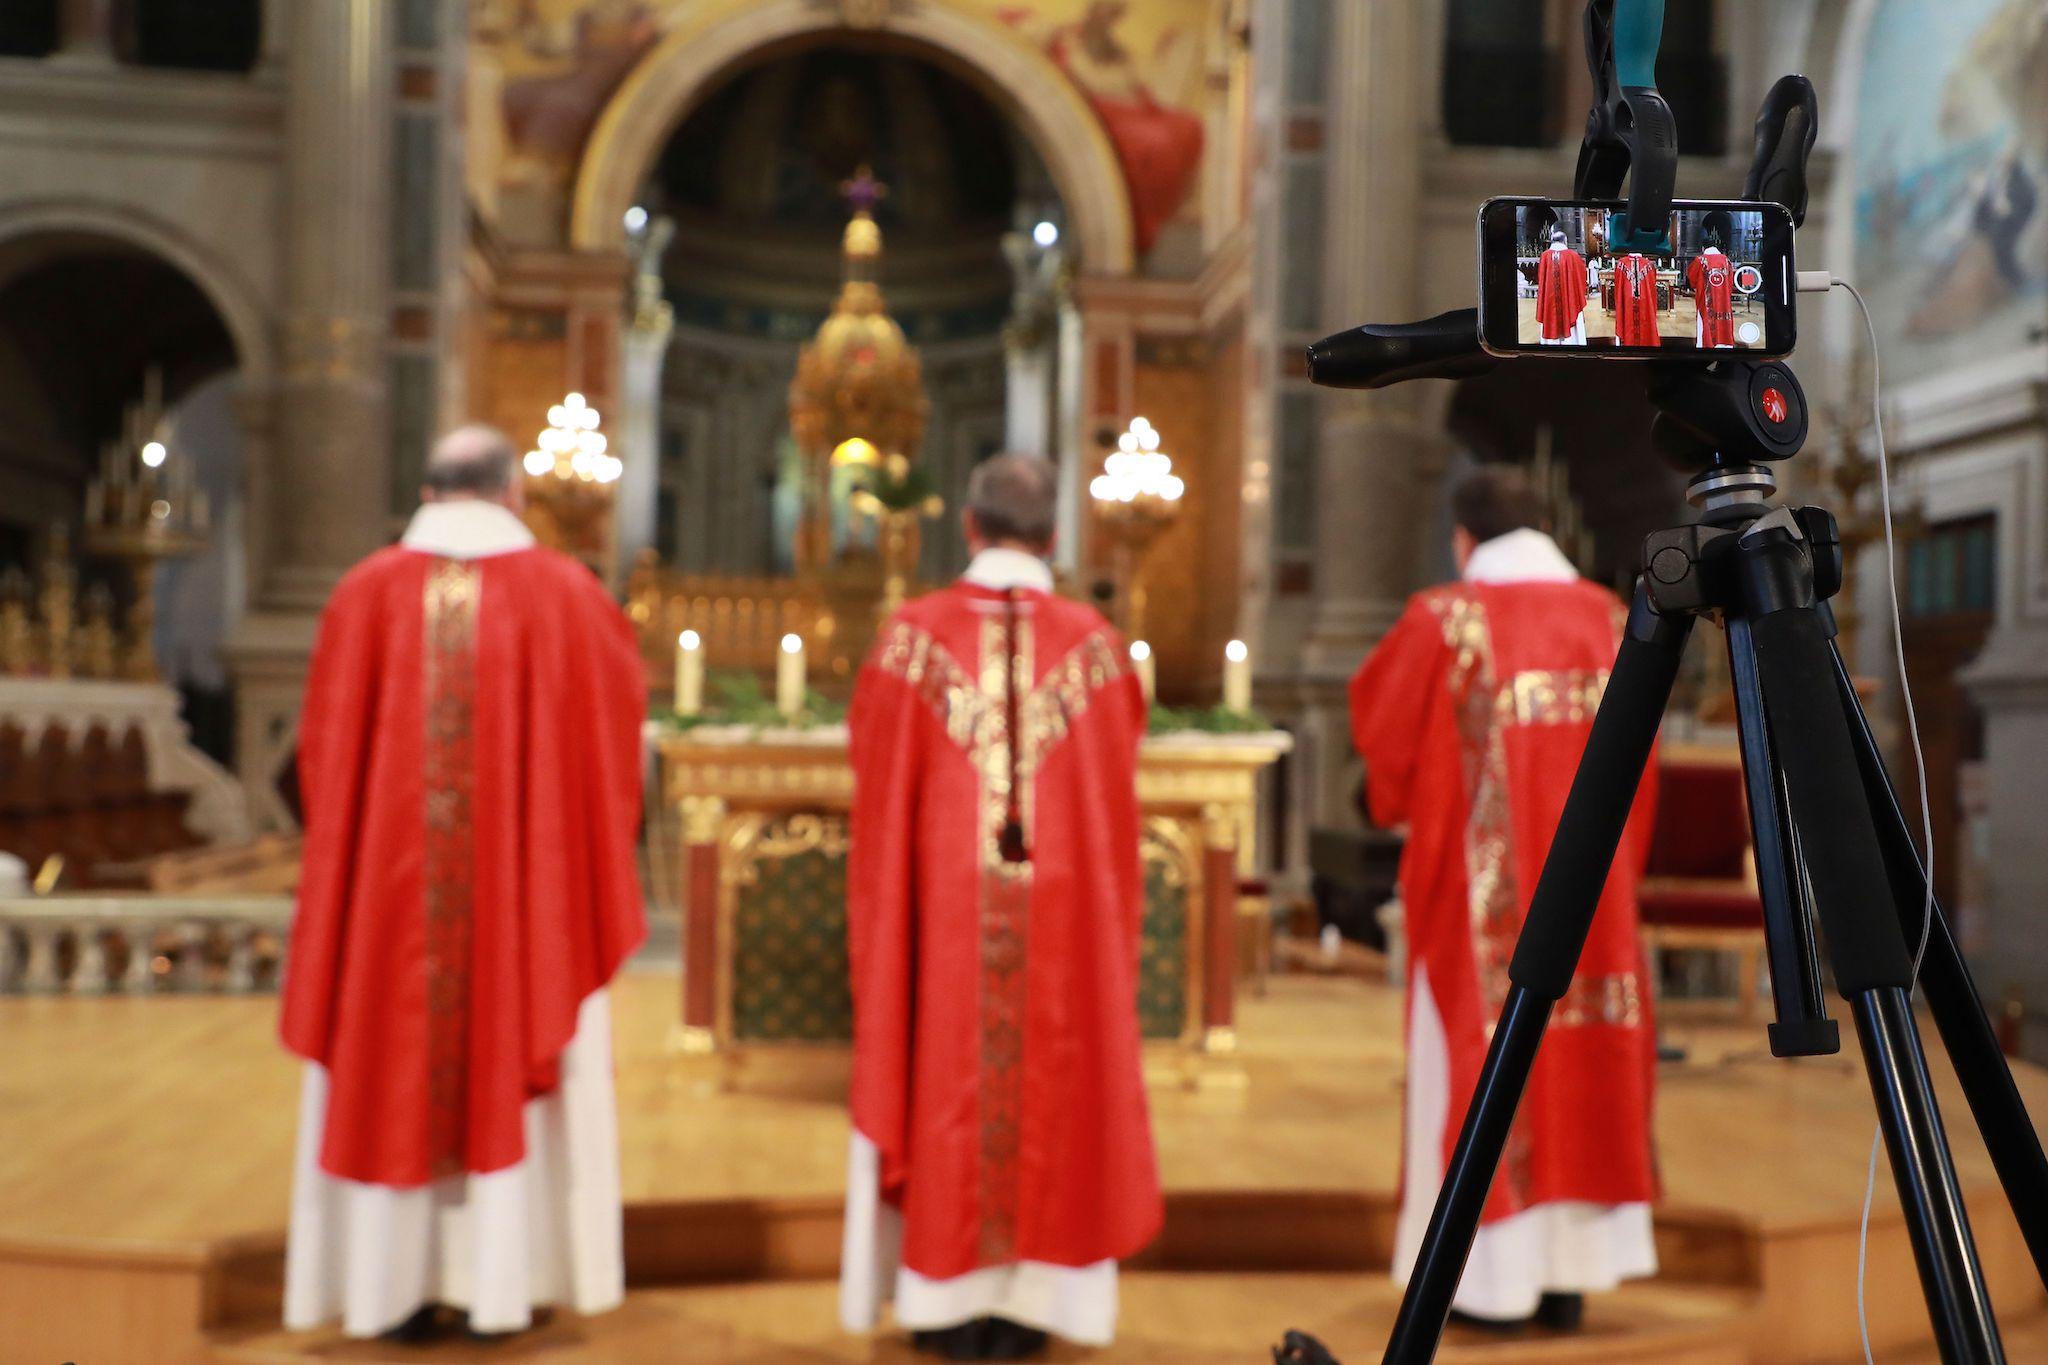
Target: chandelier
1138 475
572 447
1137 496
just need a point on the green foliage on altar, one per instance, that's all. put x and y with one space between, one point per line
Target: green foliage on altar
739 699
1206 720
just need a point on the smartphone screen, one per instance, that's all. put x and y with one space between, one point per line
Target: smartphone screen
1551 278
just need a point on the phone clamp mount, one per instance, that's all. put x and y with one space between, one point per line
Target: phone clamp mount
1629 125
1831 840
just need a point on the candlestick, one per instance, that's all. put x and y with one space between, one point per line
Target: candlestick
1237 676
1141 664
689 673
789 677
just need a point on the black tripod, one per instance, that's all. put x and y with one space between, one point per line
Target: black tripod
1830 839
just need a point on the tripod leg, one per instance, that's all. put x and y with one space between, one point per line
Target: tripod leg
1845 866
1950 1276
1973 1049
1553 935
1802 1028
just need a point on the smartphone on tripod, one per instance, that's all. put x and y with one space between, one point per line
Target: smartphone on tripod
1554 278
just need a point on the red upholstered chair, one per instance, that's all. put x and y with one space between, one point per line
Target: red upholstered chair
1699 888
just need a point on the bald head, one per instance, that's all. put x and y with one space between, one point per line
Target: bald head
1012 501
474 461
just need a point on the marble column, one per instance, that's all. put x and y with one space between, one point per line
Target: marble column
330 501
1030 340
1366 513
1069 440
2009 682
1041 390
85 33
275 19
646 348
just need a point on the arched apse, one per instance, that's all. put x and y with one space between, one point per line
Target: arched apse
694 57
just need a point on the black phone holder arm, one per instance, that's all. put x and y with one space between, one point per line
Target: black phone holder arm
1786 126
1630 132
1384 353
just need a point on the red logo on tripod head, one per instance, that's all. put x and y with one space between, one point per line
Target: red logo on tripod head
1774 405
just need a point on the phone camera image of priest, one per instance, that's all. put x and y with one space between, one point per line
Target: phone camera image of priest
993 912
1471 715
457 925
1562 286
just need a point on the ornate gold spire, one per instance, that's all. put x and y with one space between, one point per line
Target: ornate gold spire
859 383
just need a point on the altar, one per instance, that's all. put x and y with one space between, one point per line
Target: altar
762 816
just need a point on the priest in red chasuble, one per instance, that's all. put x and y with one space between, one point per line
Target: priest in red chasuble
1712 277
1635 301
469 762
1471 716
1561 294
1002 1156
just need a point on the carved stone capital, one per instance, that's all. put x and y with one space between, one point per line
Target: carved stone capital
331 349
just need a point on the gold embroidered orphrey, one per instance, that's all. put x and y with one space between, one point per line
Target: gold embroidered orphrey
975 711
1487 707
453 590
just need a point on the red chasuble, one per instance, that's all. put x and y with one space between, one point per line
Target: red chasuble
1560 292
1713 290
1471 716
469 759
996 1062
1635 301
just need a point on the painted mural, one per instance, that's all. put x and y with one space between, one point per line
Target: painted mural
1951 165
542 71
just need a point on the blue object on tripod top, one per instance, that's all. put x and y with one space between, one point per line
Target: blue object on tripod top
1638 32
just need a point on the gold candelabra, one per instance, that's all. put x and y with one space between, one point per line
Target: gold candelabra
1137 496
145 507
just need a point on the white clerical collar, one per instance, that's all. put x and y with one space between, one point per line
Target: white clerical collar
999 570
466 528
1524 556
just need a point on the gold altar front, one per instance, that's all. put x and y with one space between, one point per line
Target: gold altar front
763 825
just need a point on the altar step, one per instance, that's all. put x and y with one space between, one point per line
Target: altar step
1170 1318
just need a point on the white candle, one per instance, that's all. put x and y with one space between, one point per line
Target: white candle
789 676
1141 663
689 673
1237 677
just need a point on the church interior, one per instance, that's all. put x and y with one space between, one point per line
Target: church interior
754 287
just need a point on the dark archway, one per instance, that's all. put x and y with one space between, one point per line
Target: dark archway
83 319
194 35
85 322
751 180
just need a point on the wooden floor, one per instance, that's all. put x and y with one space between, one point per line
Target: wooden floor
163 1128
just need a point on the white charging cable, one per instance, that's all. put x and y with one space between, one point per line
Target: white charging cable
1819 281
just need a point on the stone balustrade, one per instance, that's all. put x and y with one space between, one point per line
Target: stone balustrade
141 945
